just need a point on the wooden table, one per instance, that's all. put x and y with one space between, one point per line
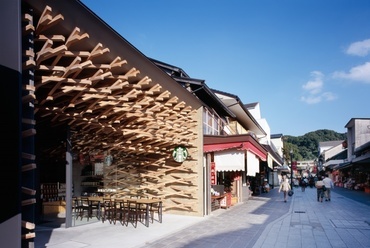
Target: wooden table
93 201
146 201
149 203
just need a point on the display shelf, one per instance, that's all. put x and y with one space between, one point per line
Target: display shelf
92 174
52 191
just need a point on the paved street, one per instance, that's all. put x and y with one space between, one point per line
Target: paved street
267 221
263 221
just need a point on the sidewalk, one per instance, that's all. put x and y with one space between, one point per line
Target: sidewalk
341 222
263 221
105 235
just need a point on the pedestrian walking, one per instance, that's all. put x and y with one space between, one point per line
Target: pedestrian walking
311 182
328 185
304 184
320 189
285 187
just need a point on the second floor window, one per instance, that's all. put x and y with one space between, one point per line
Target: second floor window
212 123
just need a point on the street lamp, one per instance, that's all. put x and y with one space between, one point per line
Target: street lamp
291 168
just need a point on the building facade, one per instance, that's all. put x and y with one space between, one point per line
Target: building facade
92 113
348 162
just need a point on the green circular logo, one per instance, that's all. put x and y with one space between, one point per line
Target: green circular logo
180 154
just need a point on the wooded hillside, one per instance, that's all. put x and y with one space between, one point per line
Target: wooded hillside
306 147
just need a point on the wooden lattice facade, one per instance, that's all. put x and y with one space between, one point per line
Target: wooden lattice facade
115 101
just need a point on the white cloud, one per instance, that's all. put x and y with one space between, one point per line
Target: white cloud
359 73
315 85
313 90
311 99
360 48
328 96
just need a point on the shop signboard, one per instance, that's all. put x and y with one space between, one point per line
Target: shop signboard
213 173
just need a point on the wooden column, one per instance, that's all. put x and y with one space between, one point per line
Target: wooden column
10 123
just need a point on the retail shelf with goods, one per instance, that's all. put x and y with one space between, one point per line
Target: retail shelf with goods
53 192
53 199
92 173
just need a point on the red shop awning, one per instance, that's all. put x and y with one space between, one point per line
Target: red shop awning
235 145
221 147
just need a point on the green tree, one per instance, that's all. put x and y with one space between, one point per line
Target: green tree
306 147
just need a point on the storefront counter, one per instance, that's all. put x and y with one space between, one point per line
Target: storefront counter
216 201
54 208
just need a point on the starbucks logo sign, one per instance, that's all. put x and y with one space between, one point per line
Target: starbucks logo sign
180 154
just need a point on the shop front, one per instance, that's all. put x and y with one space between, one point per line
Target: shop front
107 120
353 176
235 165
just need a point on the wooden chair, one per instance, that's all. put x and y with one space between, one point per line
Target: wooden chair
75 206
108 210
135 212
143 206
83 208
156 208
94 208
121 211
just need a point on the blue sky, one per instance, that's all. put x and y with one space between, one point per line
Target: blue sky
307 62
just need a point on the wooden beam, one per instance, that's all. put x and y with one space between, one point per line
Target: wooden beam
54 38
28 132
28 236
98 50
28 156
28 167
118 62
143 82
49 52
164 95
28 121
28 191
75 36
28 202
28 225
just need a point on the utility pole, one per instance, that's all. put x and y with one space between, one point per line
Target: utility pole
291 169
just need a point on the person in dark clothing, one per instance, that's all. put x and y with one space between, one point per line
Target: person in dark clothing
304 183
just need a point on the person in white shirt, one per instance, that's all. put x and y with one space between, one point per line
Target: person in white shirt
285 187
328 185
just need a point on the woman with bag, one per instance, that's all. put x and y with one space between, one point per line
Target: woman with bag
320 189
285 187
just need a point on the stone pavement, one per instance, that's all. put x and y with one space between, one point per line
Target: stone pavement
266 221
341 222
263 221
